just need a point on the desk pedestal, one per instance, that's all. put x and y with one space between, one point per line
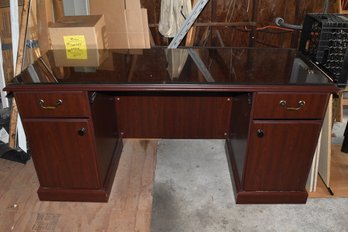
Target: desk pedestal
270 151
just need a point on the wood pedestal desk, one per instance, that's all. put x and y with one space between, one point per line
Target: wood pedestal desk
268 104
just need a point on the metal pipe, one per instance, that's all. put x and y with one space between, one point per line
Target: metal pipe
281 23
217 24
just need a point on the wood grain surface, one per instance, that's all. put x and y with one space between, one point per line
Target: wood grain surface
128 209
339 176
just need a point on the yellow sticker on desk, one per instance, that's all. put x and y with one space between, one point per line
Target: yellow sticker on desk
75 46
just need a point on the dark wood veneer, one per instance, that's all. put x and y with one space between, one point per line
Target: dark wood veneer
168 116
272 197
271 169
259 197
270 159
76 149
240 123
281 159
87 195
62 158
200 88
266 105
74 104
105 131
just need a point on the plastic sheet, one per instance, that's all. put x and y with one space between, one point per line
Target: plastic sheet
173 14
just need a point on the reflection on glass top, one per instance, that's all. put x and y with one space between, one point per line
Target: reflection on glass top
175 66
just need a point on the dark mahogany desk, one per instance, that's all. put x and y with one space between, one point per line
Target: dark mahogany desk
268 104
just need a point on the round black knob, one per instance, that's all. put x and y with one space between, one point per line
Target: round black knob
260 133
82 131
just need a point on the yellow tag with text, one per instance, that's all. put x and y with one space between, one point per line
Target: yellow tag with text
75 46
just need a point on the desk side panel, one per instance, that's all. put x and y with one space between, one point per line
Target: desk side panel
238 136
106 133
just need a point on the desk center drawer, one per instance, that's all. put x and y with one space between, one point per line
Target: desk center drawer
276 105
53 104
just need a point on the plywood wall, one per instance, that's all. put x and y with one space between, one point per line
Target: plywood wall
260 12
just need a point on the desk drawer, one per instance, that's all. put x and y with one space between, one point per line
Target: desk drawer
289 105
53 104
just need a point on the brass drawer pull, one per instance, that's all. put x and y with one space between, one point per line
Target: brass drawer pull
42 104
300 103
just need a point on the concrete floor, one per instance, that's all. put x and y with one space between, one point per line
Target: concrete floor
193 192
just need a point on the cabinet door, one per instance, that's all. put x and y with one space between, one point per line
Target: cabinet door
280 154
63 152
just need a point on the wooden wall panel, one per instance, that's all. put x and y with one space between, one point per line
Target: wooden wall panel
261 12
153 10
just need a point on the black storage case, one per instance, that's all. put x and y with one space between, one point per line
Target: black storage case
324 40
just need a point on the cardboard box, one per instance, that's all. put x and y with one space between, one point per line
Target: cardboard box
115 20
132 4
87 31
92 58
126 23
135 28
78 40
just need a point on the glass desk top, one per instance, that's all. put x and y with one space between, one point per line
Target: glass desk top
224 66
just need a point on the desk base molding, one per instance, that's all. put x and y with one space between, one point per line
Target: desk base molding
271 197
80 195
